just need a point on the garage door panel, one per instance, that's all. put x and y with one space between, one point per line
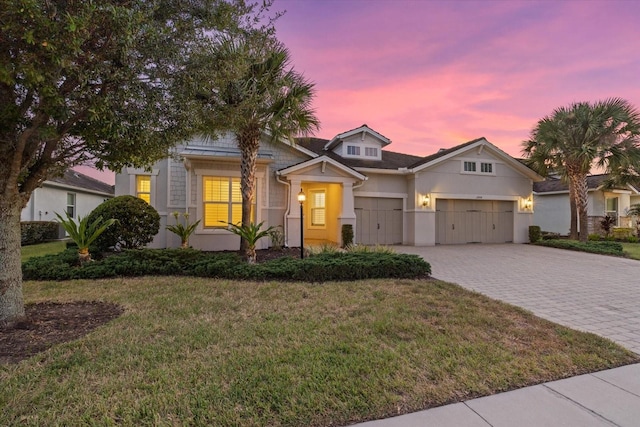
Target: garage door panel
378 220
474 221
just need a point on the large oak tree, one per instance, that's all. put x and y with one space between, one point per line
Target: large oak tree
95 81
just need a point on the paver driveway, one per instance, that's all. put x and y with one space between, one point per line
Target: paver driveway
595 293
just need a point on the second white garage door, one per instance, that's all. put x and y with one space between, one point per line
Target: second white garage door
378 221
473 221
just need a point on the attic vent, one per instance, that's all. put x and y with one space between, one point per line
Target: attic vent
441 150
76 175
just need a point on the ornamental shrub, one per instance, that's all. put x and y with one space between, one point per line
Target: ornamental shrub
347 235
137 223
535 233
32 232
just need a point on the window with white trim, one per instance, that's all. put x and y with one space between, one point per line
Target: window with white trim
222 201
318 208
71 205
611 204
486 167
353 150
143 187
371 151
469 166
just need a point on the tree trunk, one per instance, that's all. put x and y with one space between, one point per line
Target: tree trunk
11 300
580 185
573 231
249 143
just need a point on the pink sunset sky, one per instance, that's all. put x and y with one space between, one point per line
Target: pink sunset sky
434 74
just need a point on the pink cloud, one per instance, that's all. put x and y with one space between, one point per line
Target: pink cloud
434 74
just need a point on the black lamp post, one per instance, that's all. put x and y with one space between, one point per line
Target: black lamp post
301 199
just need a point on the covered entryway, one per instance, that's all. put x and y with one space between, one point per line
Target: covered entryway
378 221
473 221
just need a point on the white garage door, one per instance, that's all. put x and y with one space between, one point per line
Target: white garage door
378 221
473 221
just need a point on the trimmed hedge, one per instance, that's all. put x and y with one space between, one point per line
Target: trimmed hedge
191 262
32 232
596 247
535 233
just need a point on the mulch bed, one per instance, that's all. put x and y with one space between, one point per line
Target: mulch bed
49 323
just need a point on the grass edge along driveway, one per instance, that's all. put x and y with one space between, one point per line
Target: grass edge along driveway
213 352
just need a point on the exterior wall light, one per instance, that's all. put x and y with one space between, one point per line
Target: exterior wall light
426 200
527 204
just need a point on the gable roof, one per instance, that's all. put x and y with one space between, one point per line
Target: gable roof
557 185
481 142
444 152
79 180
341 166
390 159
362 129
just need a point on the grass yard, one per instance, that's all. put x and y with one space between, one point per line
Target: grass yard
41 249
632 249
190 351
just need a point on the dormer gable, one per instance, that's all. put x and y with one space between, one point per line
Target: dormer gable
359 143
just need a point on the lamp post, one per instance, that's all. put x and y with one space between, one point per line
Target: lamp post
301 199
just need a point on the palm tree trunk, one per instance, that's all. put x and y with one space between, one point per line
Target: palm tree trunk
580 186
11 300
573 231
249 143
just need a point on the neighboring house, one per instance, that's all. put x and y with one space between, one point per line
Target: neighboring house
471 193
551 201
75 193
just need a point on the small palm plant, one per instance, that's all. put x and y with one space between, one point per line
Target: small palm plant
184 231
251 234
634 211
84 233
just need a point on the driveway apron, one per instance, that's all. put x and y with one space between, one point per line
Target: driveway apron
593 293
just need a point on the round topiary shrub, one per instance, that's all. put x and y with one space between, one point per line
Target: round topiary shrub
137 223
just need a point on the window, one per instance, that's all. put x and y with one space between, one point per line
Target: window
469 166
222 201
486 167
71 204
612 209
352 150
318 208
143 187
371 152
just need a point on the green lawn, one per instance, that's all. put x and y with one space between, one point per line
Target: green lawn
632 249
40 249
191 351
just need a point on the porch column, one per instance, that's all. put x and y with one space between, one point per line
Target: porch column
292 239
348 213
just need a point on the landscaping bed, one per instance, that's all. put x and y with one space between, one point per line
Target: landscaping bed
229 265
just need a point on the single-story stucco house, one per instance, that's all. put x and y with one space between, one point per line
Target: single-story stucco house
552 212
74 193
470 193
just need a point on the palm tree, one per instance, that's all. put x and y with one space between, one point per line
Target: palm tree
575 139
255 92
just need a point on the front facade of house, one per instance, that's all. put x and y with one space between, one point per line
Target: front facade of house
74 193
471 193
552 212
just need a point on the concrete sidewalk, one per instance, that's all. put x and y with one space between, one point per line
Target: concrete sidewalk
606 398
